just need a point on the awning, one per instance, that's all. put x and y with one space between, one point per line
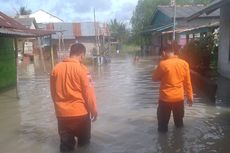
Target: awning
15 32
40 33
158 29
25 32
198 29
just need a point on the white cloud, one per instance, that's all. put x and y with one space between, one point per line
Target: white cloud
76 10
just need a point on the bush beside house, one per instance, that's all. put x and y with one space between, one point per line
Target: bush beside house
202 55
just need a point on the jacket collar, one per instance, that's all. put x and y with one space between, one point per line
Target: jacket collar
171 57
68 59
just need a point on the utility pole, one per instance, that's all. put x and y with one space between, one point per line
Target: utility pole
96 38
173 4
95 27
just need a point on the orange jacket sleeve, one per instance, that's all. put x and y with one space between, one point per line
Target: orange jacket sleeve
88 90
157 74
188 84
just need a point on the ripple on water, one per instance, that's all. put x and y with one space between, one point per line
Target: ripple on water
127 101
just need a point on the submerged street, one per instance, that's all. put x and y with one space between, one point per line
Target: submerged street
127 103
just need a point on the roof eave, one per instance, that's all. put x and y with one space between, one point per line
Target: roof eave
209 9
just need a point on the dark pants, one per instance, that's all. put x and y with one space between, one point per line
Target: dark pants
164 112
71 127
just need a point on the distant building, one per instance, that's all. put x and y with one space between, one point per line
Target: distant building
26 46
42 16
162 24
31 46
88 33
224 47
28 22
84 33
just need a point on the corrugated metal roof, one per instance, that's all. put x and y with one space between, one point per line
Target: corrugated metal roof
73 30
77 29
14 32
25 33
88 29
27 21
38 32
9 26
185 11
209 9
67 28
8 22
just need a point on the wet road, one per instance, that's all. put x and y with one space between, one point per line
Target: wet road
127 102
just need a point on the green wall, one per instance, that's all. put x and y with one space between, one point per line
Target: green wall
7 63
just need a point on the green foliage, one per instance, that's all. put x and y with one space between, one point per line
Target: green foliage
143 14
142 17
119 31
201 54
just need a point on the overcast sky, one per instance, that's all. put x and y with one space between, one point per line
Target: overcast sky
75 10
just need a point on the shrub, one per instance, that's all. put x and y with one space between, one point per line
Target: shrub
201 53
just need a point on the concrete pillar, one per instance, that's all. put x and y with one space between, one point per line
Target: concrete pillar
224 47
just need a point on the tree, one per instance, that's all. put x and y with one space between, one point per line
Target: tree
143 13
118 31
23 11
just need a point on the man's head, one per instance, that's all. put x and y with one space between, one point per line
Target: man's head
167 50
77 50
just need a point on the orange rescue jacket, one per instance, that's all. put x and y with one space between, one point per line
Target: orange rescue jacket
174 76
72 90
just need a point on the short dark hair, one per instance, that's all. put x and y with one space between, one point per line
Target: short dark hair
167 48
77 49
171 47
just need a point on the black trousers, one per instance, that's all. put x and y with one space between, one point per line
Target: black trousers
71 127
164 111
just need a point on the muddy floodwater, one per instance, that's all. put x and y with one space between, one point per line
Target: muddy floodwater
127 102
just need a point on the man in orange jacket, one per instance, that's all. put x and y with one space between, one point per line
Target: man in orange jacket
174 76
74 100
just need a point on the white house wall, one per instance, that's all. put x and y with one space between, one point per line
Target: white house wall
44 17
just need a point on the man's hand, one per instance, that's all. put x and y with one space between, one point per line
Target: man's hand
190 102
93 117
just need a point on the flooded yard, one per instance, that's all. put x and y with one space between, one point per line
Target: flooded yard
127 123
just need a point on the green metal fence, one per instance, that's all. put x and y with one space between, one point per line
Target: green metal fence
7 63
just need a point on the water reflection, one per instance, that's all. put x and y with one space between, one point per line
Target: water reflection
127 101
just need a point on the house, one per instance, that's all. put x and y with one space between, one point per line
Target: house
26 46
28 22
162 24
92 35
42 16
70 33
10 31
31 47
224 33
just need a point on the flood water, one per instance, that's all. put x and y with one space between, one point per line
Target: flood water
127 102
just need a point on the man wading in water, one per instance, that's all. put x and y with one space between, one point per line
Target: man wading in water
174 76
74 99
